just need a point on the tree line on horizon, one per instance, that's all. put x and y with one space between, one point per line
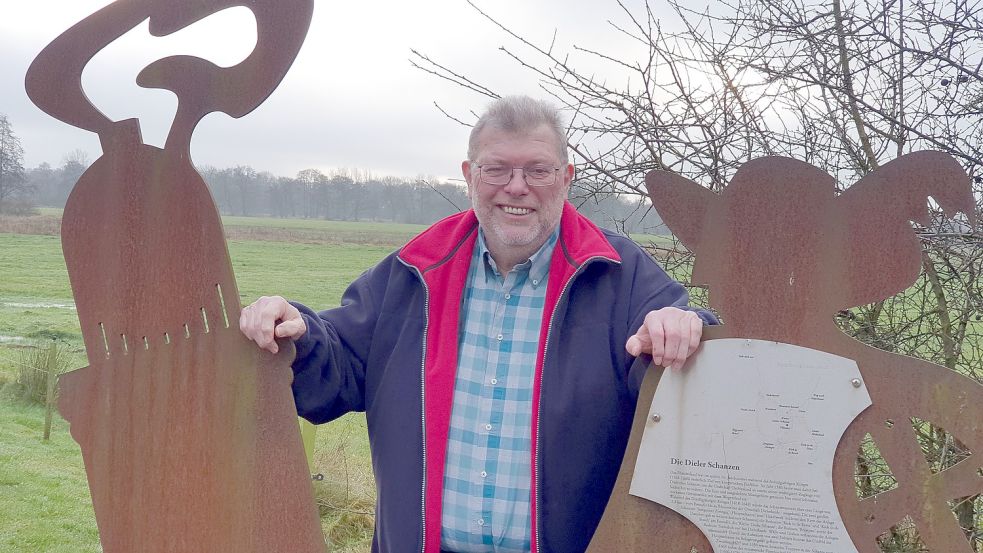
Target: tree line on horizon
340 195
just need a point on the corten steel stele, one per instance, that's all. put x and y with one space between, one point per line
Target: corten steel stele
188 431
781 254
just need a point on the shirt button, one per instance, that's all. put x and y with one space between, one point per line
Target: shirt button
484 474
535 282
494 381
481 522
499 337
508 296
488 427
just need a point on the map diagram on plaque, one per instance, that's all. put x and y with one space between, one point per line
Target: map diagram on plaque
742 443
787 426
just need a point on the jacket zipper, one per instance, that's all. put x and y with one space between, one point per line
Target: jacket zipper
423 404
539 405
423 411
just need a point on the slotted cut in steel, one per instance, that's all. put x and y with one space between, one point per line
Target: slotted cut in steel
782 254
188 431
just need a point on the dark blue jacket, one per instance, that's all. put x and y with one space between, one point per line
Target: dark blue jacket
391 350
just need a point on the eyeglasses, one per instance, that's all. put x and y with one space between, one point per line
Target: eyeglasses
536 175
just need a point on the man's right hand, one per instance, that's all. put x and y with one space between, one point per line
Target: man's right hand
269 318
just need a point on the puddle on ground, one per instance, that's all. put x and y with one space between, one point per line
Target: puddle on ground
39 305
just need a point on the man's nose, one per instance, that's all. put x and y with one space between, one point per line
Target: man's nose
517 184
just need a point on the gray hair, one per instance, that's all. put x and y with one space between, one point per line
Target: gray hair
518 114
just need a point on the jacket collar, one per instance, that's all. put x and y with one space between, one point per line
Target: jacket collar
580 240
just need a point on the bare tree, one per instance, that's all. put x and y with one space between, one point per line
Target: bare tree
77 157
15 190
844 86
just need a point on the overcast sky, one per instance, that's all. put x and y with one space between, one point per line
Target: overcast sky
351 98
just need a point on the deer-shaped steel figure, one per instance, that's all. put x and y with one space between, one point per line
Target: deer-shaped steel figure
188 431
782 254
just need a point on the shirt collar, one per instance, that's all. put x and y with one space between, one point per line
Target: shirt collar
538 263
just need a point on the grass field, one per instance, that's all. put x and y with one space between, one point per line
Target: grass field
44 498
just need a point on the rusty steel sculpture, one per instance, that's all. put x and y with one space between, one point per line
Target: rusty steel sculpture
188 431
782 254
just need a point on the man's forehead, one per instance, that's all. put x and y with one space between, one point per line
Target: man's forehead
490 137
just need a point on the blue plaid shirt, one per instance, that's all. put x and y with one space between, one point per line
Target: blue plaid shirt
487 477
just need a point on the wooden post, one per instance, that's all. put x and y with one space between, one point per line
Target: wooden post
51 376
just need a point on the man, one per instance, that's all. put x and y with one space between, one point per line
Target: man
495 355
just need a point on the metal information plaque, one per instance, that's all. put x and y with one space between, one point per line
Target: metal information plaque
742 442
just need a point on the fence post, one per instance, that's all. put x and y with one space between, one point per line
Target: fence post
51 377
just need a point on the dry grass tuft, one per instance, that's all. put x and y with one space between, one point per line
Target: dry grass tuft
48 225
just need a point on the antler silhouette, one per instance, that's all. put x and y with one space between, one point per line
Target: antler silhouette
54 78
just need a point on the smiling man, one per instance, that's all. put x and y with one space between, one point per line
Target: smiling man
497 355
516 212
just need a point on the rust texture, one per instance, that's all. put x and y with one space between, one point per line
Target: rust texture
782 254
188 431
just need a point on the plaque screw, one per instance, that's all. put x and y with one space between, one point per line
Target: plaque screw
656 417
855 382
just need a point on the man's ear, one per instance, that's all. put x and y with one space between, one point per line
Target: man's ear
466 171
567 173
681 203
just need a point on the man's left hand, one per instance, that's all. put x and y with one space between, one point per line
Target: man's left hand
670 335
